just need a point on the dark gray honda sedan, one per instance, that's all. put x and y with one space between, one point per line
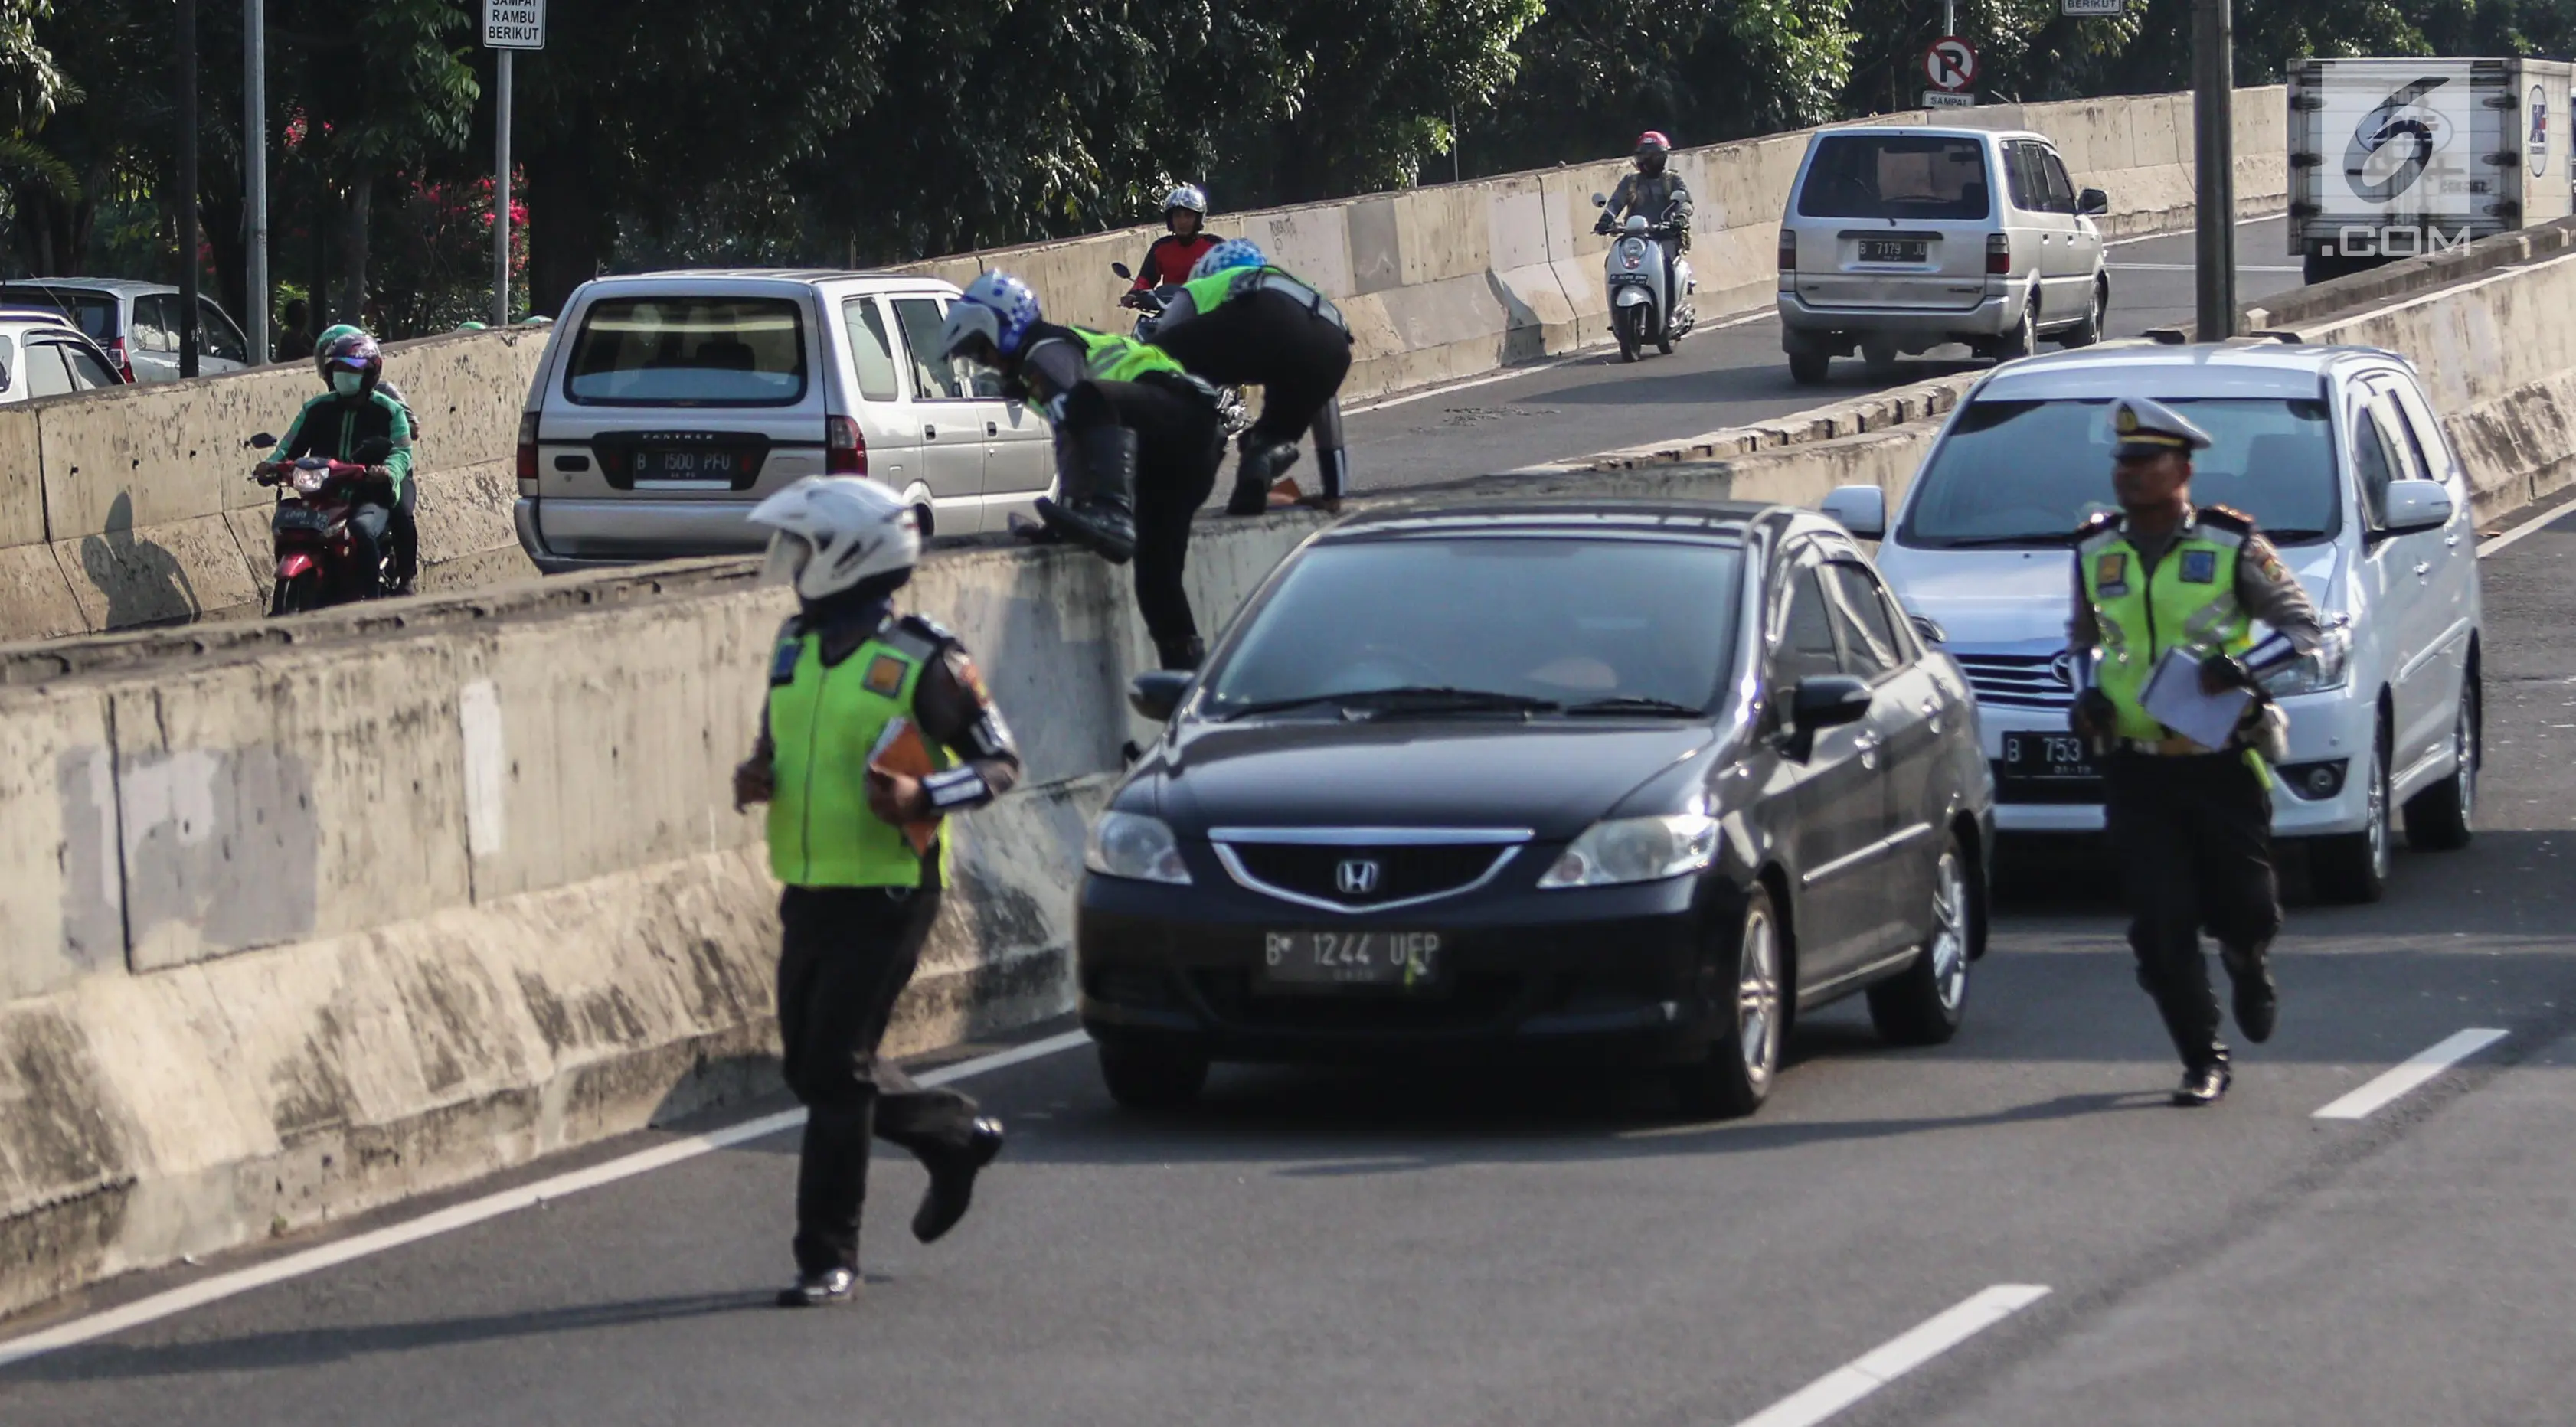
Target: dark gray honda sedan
1618 782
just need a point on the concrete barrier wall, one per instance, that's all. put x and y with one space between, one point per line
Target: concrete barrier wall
131 508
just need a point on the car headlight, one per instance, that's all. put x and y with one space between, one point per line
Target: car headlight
1622 850
2325 667
1134 846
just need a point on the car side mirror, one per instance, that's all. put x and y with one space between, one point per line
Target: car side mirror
1156 694
2417 505
261 442
1930 629
1600 200
1121 270
1861 509
1819 702
2092 203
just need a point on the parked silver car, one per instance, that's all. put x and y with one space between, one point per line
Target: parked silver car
667 405
1901 239
136 323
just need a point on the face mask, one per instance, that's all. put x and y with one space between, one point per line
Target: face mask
348 383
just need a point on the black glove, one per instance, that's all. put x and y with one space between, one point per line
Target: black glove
2221 672
1606 226
2093 715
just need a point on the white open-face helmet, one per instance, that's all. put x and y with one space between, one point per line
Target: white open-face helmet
833 531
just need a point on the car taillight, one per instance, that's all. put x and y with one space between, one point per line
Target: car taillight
1998 255
116 354
845 451
1788 251
528 449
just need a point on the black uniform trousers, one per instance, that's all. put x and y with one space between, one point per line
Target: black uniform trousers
2194 837
846 955
1179 443
1270 340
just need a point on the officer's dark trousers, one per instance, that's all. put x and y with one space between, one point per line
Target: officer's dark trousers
846 955
1269 340
2194 840
1178 447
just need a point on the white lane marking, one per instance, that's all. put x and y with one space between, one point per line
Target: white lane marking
2423 1065
2195 267
491 1206
2187 232
1898 1356
1565 359
2537 522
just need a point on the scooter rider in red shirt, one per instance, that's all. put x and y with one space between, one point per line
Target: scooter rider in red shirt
1172 256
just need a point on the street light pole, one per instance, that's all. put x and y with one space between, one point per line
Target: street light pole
255 174
187 188
2214 166
501 196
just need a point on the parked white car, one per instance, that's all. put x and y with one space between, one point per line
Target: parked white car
667 405
44 355
2336 454
1899 239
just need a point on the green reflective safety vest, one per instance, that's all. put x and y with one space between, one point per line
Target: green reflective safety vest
823 724
1108 358
1210 292
2188 602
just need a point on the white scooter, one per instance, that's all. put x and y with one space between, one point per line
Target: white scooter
1637 266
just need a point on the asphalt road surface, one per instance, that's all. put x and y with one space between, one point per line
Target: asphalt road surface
1445 1249
1721 376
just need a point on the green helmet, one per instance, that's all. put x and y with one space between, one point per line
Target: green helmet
323 343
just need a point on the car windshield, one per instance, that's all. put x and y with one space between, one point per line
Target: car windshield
93 313
1508 623
2029 472
690 351
1896 176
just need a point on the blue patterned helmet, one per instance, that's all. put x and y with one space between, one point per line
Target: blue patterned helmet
1228 255
998 308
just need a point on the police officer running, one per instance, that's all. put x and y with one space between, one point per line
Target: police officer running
1137 441
1241 321
2191 825
858 840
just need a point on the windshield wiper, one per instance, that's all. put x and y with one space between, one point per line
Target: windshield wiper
1989 542
2293 536
1410 698
1634 704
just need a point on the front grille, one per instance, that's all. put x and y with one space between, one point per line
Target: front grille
1359 876
2016 681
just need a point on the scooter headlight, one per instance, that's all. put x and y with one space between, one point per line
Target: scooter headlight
1632 253
309 481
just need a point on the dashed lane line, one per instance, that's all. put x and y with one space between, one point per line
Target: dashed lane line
2422 1066
1898 1356
491 1206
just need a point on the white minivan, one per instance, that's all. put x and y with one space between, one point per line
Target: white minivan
667 405
2336 454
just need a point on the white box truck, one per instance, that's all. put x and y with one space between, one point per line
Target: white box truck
2395 158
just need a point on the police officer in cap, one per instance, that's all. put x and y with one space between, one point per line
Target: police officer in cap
2190 824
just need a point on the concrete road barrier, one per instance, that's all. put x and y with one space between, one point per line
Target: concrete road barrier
130 508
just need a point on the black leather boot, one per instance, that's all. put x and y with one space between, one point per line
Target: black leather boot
1258 465
827 1289
2202 1085
952 1180
1099 509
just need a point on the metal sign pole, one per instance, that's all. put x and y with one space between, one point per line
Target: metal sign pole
255 175
2214 167
188 332
501 198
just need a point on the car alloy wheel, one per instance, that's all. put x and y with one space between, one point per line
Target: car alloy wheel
2353 867
1949 947
2442 817
1743 1055
1924 1003
1757 999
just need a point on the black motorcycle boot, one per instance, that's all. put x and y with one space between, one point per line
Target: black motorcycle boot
827 1289
2203 1084
1100 515
952 1179
1181 653
1258 464
2258 1001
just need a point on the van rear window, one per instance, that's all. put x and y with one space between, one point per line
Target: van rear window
1896 176
690 351
94 313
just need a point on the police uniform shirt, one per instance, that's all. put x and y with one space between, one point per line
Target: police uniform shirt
2264 587
950 705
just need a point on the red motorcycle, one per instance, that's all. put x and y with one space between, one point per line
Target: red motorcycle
317 557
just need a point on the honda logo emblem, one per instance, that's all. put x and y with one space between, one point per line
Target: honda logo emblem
1356 877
